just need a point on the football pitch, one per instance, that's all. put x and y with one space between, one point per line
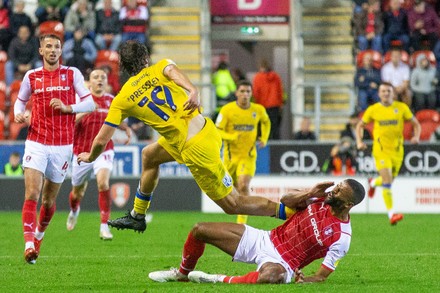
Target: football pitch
382 258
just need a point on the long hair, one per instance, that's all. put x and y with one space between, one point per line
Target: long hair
133 57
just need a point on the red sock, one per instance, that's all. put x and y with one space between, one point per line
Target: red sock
46 215
29 216
74 203
250 278
104 202
192 251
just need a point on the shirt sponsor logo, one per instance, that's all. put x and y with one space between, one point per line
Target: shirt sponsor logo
243 127
388 122
52 88
315 226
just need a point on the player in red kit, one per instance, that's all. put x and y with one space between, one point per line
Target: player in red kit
86 128
48 147
320 228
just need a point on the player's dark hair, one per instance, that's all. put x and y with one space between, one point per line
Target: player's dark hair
244 82
49 36
358 190
133 57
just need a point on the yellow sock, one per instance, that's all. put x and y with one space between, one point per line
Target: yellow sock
141 202
242 219
387 197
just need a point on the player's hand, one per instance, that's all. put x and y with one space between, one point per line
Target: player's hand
58 105
260 144
193 102
415 140
319 189
361 146
22 117
299 276
83 157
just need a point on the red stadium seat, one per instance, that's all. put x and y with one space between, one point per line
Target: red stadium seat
2 125
14 129
428 128
404 58
108 57
2 96
429 55
377 58
407 130
428 115
52 27
3 59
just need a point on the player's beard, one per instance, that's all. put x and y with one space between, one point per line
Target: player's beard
336 203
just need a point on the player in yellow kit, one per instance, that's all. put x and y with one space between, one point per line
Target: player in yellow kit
238 123
163 97
388 117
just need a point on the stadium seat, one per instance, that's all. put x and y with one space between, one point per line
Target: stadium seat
52 27
407 130
428 128
110 58
2 125
429 55
2 96
3 59
428 115
14 129
404 58
377 58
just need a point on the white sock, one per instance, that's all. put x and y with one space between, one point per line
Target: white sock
39 235
29 244
390 214
104 227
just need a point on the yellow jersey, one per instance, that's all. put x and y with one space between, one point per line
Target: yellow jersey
157 101
388 126
239 127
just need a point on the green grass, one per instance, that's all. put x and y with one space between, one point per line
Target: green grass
404 258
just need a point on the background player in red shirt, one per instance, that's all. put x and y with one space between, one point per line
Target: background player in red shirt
48 147
87 127
320 228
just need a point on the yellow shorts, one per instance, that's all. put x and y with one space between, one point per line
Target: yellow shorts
241 166
201 154
385 161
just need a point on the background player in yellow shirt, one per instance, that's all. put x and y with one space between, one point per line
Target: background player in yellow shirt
388 117
163 97
238 123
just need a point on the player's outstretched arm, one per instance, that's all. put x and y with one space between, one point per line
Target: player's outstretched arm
98 146
298 199
320 276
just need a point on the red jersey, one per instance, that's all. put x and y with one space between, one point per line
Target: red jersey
88 127
311 234
49 126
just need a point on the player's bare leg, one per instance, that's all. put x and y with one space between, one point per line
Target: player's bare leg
153 156
75 198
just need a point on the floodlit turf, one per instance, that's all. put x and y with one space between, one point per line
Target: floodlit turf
404 258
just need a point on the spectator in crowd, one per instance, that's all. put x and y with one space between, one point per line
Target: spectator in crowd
13 166
342 160
423 83
367 80
369 27
224 86
19 18
134 21
268 91
51 10
397 73
305 133
108 27
81 15
113 84
359 6
238 75
424 25
396 26
79 51
5 34
350 128
22 55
